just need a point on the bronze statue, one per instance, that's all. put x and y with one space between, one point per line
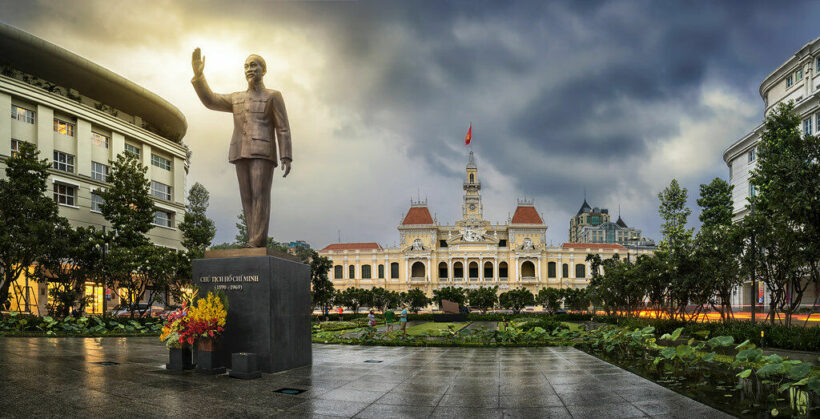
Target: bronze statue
257 113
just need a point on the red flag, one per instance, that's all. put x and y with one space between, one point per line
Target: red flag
469 135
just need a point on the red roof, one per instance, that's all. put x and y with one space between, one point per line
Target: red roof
592 246
352 246
526 215
417 215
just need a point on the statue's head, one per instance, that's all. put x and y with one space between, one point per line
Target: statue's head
255 68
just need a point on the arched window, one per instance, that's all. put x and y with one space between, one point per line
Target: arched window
394 270
473 270
365 271
458 270
442 271
580 270
488 271
527 270
381 271
338 272
551 270
502 271
417 270
352 271
564 271
472 179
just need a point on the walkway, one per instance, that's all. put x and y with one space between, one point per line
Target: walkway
61 377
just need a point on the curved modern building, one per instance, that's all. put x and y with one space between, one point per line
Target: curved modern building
796 80
81 116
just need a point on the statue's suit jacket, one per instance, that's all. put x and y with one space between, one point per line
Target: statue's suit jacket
254 121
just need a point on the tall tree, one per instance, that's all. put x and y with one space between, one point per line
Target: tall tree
483 298
676 250
241 231
197 229
787 203
27 216
416 299
718 246
454 294
516 299
322 290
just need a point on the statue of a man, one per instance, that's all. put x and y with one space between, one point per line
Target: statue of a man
259 118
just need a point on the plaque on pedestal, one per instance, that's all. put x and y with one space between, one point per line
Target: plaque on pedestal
268 305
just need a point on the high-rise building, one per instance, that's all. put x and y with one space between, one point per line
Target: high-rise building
593 225
81 116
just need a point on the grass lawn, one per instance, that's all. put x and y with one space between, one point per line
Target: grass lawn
433 329
574 327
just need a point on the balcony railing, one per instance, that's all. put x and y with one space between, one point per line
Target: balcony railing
502 278
473 279
528 279
417 279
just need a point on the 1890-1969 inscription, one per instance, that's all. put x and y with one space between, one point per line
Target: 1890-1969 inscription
229 282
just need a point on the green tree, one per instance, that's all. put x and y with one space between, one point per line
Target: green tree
718 246
72 258
322 290
454 294
785 219
380 298
685 285
516 299
416 299
550 298
28 215
127 202
483 298
241 231
197 229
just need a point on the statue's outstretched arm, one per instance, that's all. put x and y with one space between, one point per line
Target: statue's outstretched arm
211 100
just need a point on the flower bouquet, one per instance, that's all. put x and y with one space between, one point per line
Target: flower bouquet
205 323
179 349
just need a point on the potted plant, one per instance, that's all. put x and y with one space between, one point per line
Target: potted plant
179 350
206 322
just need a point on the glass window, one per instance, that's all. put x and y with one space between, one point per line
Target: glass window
64 194
580 270
394 270
365 271
160 190
160 162
63 161
162 218
100 140
442 270
337 272
99 171
502 270
752 155
551 270
22 114
818 64
565 271
63 127
381 271
800 74
351 270
730 170
15 147
807 126
96 202
751 190
789 81
132 149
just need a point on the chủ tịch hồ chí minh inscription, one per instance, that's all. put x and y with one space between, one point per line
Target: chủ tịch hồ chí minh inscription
229 282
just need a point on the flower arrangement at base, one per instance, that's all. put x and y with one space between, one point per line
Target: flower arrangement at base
175 324
206 319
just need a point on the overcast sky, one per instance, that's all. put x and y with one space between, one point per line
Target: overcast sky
615 97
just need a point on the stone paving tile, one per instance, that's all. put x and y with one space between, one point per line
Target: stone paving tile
58 378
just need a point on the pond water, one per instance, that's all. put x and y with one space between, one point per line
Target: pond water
716 385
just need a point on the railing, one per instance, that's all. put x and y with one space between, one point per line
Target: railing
502 278
473 278
458 278
417 279
528 279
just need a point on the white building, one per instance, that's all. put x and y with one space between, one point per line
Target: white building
81 116
797 80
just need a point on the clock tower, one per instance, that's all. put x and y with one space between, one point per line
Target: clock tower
472 208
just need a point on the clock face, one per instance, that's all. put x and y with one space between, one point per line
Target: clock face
472 206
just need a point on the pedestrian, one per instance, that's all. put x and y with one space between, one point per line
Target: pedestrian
389 319
403 320
340 313
371 319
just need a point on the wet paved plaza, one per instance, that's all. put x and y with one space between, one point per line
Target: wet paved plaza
42 377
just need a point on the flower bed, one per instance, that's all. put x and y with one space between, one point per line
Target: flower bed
16 324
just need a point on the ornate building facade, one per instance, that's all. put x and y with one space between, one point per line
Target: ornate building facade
470 253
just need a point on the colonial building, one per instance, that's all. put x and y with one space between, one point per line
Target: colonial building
797 80
81 116
592 225
470 253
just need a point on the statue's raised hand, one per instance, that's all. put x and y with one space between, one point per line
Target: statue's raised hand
197 62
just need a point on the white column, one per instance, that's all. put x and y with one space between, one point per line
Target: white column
117 145
5 125
179 186
45 133
83 147
480 269
146 159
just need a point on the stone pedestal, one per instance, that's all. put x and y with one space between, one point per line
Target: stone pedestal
268 306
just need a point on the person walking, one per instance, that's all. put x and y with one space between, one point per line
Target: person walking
341 310
371 321
389 319
403 320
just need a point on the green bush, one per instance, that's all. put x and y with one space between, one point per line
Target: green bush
16 324
547 323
